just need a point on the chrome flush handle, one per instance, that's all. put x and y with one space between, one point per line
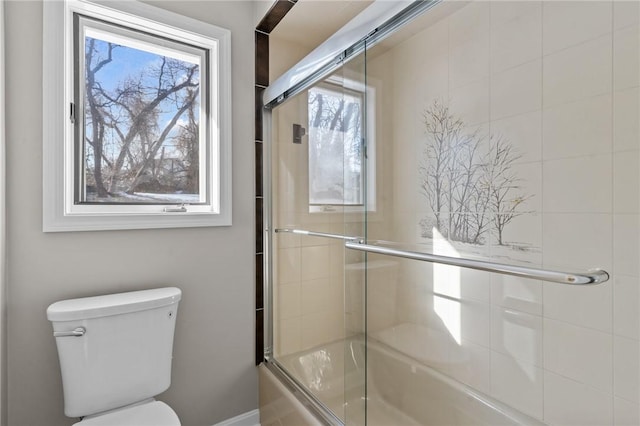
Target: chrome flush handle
77 332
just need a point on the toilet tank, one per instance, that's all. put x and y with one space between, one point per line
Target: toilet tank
124 354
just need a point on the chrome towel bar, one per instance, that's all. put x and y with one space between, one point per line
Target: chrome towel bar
595 276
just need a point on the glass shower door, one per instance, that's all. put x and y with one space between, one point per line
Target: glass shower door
318 203
492 133
505 134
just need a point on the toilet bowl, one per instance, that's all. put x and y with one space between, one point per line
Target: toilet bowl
115 356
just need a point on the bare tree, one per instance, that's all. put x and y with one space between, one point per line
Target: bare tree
186 143
506 195
441 130
128 125
335 138
450 175
466 189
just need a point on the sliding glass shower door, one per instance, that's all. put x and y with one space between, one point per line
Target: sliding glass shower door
445 207
505 135
319 201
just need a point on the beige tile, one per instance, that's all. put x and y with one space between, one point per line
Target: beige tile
567 23
288 336
441 316
475 322
626 119
505 11
581 241
567 247
469 62
518 40
521 236
516 293
288 264
584 306
470 103
626 58
289 300
578 128
336 260
516 91
578 72
567 402
581 354
290 180
475 285
517 335
407 302
314 262
470 22
626 306
482 136
434 39
524 133
625 413
626 368
321 327
625 13
434 79
626 244
320 295
526 185
406 63
518 384
578 185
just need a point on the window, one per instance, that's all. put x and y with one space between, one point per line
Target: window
144 141
336 147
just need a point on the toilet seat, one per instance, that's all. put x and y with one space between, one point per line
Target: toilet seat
153 413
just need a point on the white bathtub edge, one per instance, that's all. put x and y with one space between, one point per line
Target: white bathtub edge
250 418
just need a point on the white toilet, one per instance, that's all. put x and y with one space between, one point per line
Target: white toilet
115 355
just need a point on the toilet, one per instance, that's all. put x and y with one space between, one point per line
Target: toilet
115 356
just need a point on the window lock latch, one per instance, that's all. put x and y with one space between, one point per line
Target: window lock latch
181 209
72 113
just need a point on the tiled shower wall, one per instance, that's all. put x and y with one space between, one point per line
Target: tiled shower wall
559 82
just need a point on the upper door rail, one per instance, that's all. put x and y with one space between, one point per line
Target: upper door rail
369 27
594 276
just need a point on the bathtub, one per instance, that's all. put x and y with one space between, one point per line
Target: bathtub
398 390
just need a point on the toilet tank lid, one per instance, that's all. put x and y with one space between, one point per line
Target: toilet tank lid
112 304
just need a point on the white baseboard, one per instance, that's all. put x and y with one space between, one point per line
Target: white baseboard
250 418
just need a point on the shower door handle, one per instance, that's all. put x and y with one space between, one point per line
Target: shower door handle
594 276
76 332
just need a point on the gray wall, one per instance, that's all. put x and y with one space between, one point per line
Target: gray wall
213 376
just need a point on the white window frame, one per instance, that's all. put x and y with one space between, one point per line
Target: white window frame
60 211
369 97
